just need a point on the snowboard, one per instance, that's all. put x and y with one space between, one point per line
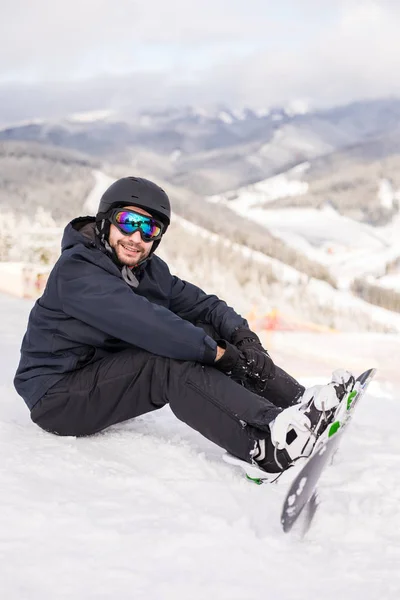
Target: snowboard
302 492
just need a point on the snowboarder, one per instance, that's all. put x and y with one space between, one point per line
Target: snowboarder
115 335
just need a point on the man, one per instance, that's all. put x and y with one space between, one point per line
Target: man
115 335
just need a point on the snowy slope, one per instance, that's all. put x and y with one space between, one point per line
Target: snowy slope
148 510
348 247
102 182
268 190
391 282
317 291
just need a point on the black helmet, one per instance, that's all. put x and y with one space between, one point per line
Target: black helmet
136 191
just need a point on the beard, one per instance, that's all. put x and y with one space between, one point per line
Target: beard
130 254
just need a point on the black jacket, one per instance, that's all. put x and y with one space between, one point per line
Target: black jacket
88 311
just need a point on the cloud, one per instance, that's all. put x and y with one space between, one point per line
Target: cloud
257 52
41 35
357 56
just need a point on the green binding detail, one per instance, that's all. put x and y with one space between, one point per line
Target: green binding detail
255 480
350 399
333 428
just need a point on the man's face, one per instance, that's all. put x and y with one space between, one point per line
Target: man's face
130 249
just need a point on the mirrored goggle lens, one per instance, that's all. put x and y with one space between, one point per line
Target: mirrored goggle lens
128 222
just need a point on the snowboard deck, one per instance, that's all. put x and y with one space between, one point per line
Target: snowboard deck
302 491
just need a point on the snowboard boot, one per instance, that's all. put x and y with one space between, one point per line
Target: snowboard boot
293 435
295 431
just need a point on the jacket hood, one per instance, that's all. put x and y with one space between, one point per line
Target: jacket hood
80 231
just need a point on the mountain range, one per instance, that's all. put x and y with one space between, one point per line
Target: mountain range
213 151
257 162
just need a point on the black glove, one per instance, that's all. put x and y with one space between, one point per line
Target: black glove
260 366
244 337
232 362
252 370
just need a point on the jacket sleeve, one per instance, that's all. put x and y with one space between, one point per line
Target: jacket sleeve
191 303
107 303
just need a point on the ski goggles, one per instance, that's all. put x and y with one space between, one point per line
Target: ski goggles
129 221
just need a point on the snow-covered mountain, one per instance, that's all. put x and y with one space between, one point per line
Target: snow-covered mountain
36 176
319 224
317 190
214 150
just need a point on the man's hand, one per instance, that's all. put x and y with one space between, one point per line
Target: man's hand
252 367
243 337
220 353
260 365
230 361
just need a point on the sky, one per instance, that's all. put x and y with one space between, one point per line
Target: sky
240 52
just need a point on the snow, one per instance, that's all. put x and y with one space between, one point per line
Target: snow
262 112
318 291
240 114
268 190
290 137
386 193
149 510
22 123
349 248
317 227
225 117
299 106
390 232
91 116
391 282
102 182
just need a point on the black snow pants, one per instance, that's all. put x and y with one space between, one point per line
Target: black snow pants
133 382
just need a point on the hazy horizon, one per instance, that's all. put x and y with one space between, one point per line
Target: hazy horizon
68 57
